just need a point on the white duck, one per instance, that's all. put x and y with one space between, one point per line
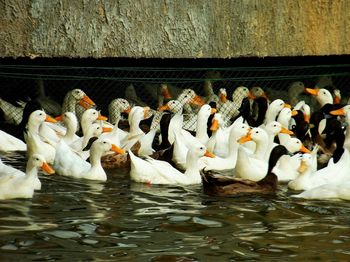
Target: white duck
17 184
35 142
11 143
160 172
90 116
274 109
229 162
308 166
218 142
68 163
284 118
253 167
70 121
287 166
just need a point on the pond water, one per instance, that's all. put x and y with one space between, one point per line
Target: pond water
124 221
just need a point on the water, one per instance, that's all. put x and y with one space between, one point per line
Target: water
124 221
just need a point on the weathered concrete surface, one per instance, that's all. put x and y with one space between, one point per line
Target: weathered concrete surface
174 29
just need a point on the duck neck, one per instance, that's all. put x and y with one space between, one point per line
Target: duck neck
69 104
135 127
270 115
31 172
260 150
201 131
70 133
33 127
95 157
192 164
115 117
85 124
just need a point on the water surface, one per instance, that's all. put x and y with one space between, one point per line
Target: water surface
121 220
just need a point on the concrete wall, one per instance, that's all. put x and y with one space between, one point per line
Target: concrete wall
174 28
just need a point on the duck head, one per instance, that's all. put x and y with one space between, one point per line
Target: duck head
294 145
83 100
174 106
38 161
322 95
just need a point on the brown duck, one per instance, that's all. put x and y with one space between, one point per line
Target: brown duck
219 185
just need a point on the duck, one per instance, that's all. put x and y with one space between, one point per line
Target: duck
228 162
210 96
70 121
77 101
115 108
16 184
11 143
36 142
68 163
344 111
219 185
284 117
151 171
336 170
12 113
308 166
218 141
226 107
274 109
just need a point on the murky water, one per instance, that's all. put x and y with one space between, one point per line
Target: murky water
120 220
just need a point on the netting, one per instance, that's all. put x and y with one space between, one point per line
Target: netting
141 85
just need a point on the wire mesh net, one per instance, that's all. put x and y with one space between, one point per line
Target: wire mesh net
142 85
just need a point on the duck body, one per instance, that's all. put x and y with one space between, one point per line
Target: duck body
219 185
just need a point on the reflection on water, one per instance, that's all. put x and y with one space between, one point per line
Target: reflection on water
121 220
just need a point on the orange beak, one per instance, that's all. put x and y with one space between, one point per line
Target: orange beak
59 118
164 107
47 168
311 91
245 139
101 117
336 100
223 98
106 129
264 95
165 93
86 102
294 112
286 131
214 125
212 111
118 150
304 149
338 112
251 96
287 105
208 154
127 110
146 111
197 101
303 166
306 118
50 119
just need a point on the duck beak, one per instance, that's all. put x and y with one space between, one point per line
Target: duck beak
214 125
223 98
245 139
303 166
165 93
303 149
101 117
164 107
197 101
49 170
127 110
312 91
287 105
50 119
251 96
286 131
208 154
146 112
294 112
59 118
306 118
117 149
336 100
106 129
86 102
338 112
212 111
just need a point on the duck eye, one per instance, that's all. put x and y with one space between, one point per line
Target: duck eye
201 148
256 132
274 125
104 142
